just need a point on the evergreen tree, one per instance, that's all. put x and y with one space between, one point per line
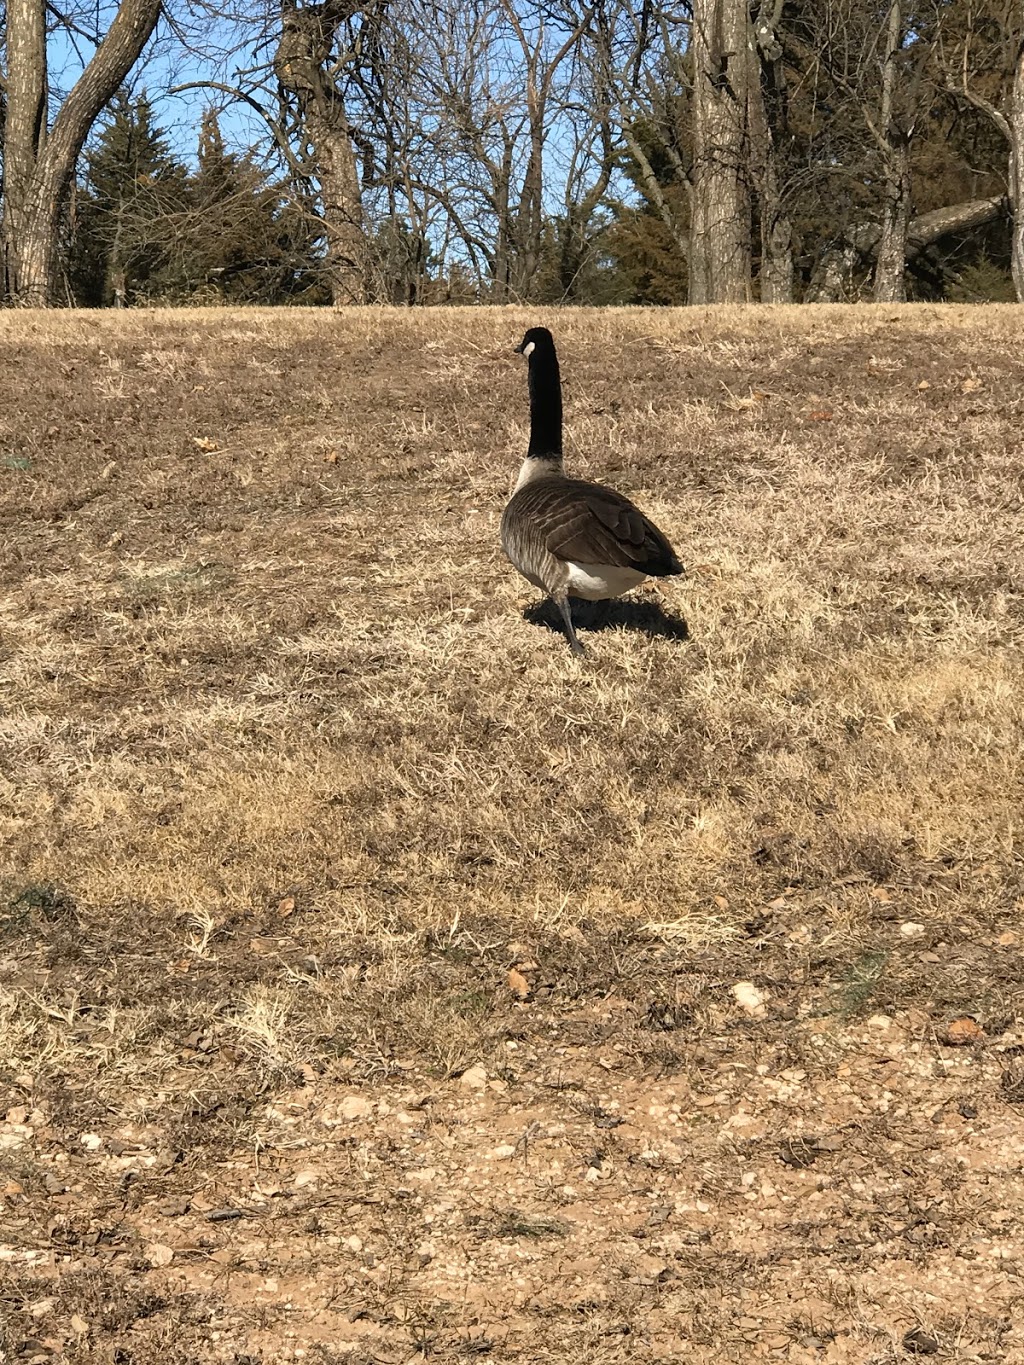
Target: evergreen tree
246 241
132 183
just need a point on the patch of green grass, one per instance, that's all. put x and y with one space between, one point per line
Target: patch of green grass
191 581
36 901
860 985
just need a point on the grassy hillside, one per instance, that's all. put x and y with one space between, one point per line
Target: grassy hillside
293 772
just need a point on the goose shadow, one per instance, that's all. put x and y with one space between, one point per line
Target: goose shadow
644 616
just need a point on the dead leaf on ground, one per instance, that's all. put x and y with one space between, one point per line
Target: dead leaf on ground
921 1343
962 1032
970 385
819 415
158 1254
205 443
799 1153
331 457
286 906
518 984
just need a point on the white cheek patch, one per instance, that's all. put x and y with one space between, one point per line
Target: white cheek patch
529 348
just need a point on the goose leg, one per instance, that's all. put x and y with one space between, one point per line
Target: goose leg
562 603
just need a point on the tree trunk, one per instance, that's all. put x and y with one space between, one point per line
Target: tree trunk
340 202
300 64
502 259
890 264
530 218
720 222
38 168
1016 177
833 278
24 130
929 227
767 132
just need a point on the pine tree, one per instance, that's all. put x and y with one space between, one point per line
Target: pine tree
246 243
132 183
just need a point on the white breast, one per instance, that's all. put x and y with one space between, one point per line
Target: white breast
594 582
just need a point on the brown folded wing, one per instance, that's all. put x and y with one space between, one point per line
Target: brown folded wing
590 524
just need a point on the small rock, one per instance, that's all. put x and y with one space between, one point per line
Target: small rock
79 1325
306 1178
750 999
962 1032
355 1107
158 1254
41 1307
16 1115
474 1077
173 1208
880 1023
92 1142
920 1342
911 929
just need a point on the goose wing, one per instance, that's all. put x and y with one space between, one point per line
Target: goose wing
590 524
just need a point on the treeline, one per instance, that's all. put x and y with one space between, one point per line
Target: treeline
419 151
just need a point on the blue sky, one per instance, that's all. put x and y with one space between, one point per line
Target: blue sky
166 63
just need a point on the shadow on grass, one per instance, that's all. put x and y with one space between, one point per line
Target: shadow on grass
645 616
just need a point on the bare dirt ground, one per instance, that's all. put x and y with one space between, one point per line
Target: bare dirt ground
378 983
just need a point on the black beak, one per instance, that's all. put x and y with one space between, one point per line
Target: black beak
518 350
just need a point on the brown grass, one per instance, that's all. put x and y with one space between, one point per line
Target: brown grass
292 771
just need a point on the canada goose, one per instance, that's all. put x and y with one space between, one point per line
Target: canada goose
569 537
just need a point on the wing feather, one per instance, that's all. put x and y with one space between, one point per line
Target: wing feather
590 524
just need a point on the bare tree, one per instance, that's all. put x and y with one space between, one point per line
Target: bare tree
893 139
39 161
303 67
991 43
723 71
462 126
769 133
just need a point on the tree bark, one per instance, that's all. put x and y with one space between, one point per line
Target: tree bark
894 147
927 228
720 222
341 203
768 130
833 278
307 37
38 167
1016 176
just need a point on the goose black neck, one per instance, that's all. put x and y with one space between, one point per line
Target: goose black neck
545 404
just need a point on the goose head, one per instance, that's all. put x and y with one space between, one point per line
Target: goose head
536 339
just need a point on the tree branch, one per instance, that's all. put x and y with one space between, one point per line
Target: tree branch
299 167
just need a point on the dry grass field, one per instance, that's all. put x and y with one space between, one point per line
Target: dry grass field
378 983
